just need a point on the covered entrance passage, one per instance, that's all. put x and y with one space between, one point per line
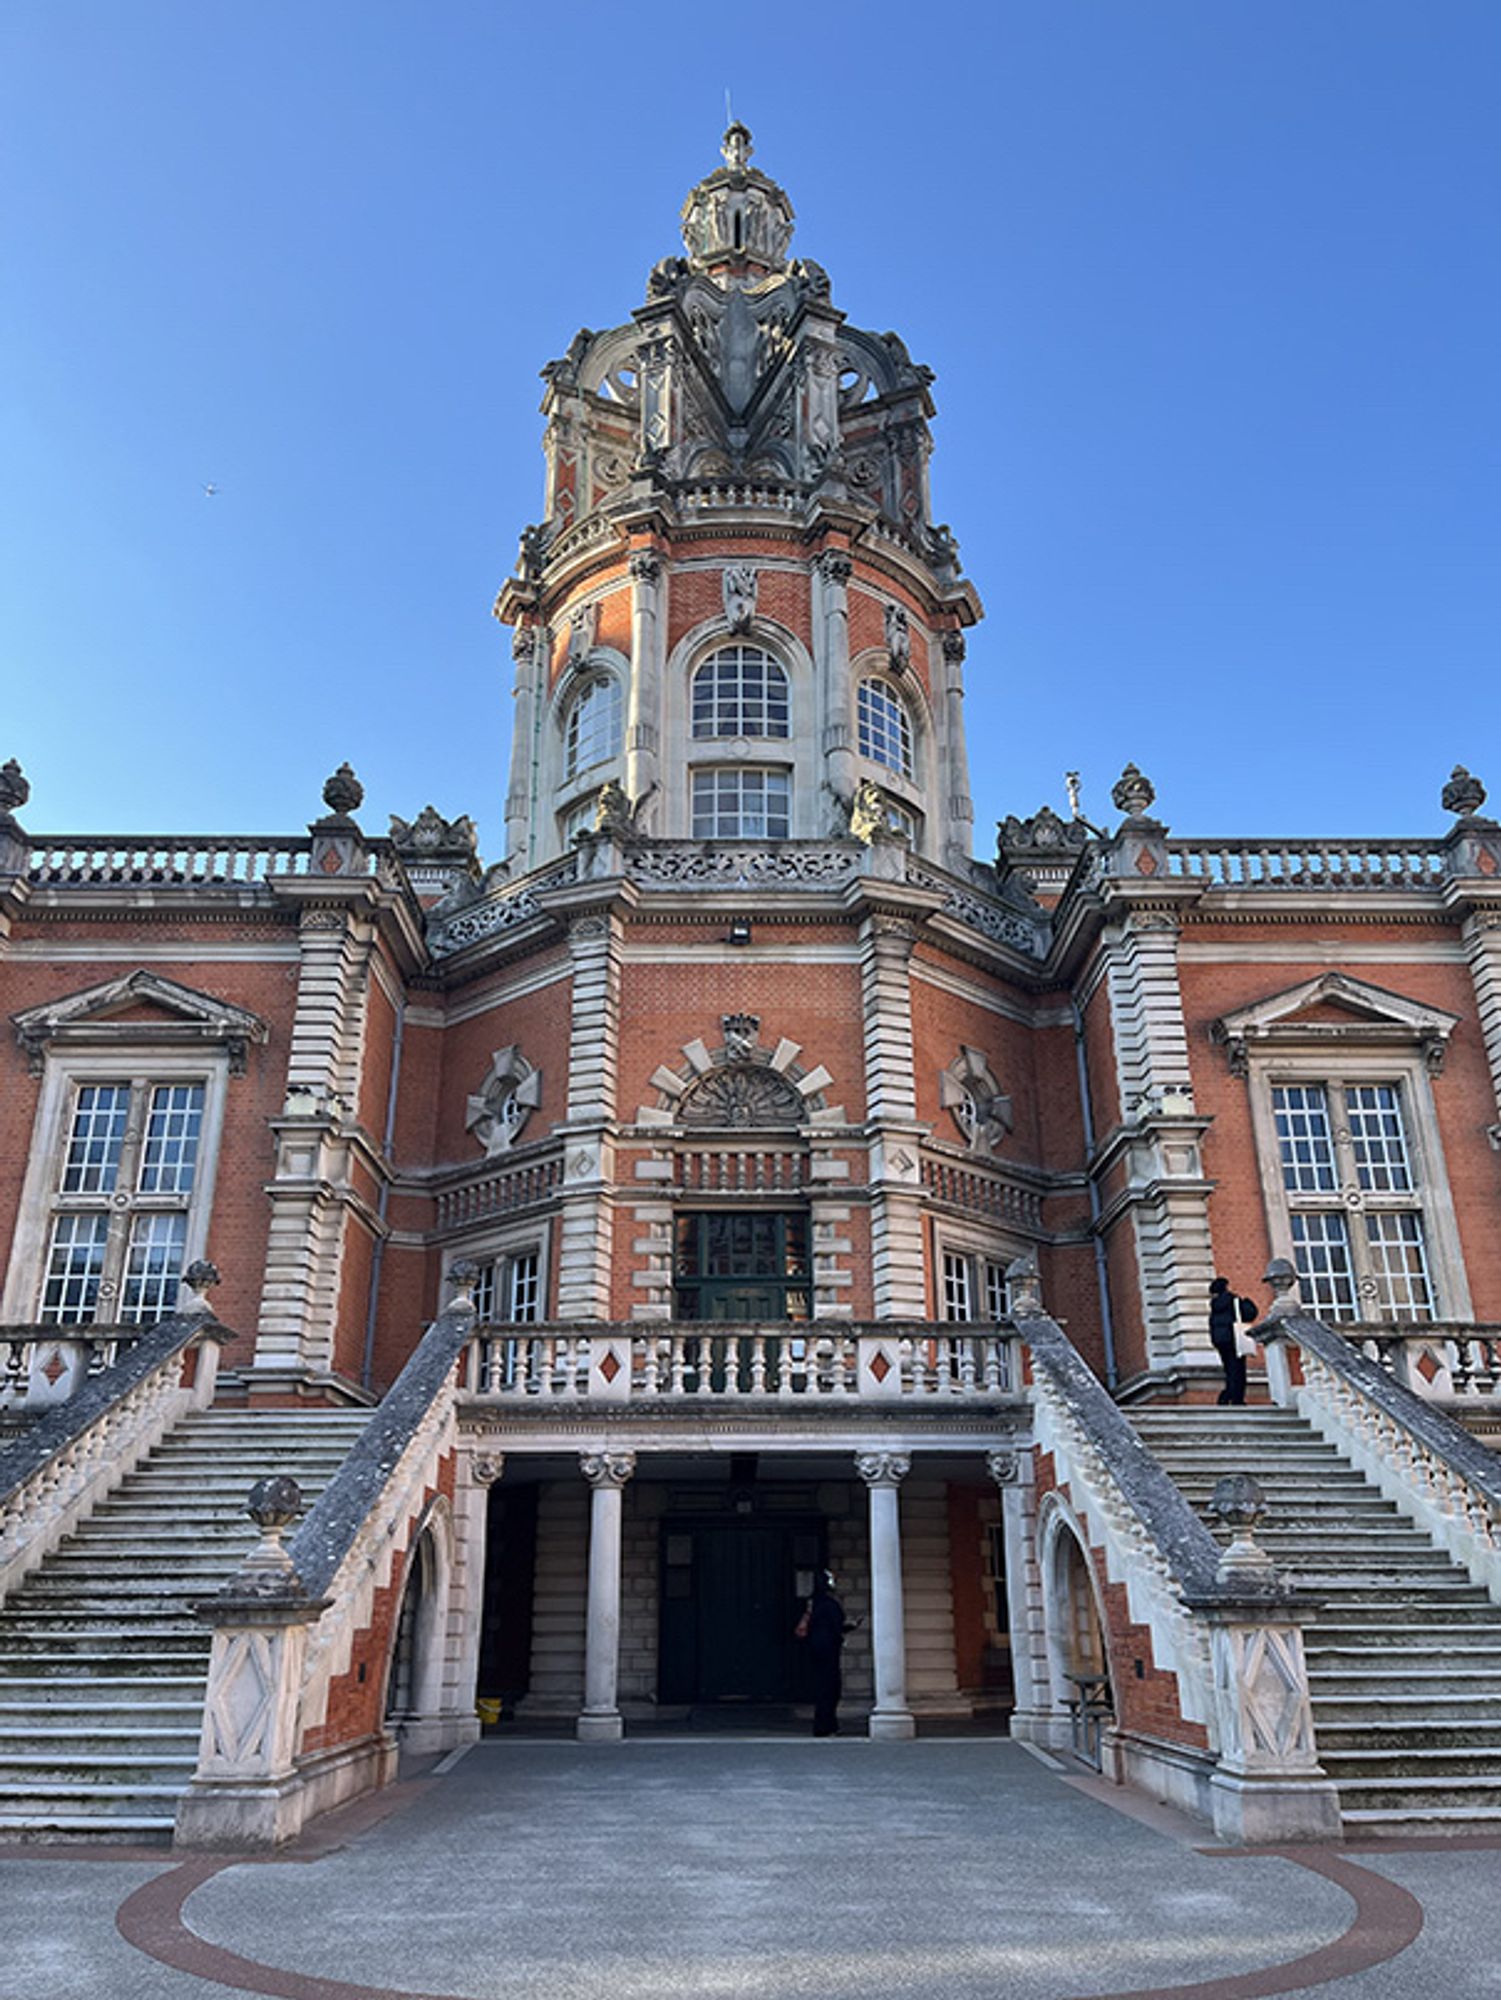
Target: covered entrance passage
732 1593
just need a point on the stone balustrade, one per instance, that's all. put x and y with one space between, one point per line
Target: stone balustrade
44 1364
827 1362
1454 1362
1309 864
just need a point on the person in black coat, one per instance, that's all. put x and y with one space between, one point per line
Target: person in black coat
1225 1314
823 1627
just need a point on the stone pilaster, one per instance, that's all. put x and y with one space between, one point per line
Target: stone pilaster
1482 941
648 663
466 1602
897 1272
311 1192
831 661
607 1473
1013 1473
883 1473
586 1226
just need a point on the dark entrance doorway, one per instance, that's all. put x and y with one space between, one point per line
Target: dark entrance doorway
732 1592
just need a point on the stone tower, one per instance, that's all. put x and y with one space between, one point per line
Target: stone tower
738 619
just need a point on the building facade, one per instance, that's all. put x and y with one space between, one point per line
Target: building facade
732 1092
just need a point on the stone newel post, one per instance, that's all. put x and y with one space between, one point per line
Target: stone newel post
607 1473
883 1472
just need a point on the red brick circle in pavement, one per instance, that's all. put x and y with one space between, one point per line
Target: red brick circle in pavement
1387 1919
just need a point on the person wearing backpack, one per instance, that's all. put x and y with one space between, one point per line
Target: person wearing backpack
1226 1312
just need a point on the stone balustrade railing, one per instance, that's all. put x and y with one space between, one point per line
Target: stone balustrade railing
1442 1361
75 1453
1424 1462
1309 864
1228 1632
295 1624
513 1186
44 1364
961 1184
822 1361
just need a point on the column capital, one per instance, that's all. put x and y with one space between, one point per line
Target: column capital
607 1469
645 566
883 1468
834 566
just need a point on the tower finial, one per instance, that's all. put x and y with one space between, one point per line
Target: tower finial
736 146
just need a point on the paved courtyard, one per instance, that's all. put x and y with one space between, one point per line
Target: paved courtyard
753 1869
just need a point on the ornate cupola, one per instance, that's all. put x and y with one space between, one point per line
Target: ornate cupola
738 610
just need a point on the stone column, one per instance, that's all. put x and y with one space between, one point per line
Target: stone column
954 781
529 655
648 659
1012 1472
883 1472
831 637
607 1473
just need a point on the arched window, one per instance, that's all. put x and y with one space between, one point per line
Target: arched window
885 732
594 725
740 691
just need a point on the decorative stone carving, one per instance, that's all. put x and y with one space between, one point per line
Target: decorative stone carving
524 645
954 648
835 567
646 567
740 1032
1133 794
607 1468
867 812
740 1096
273 1504
432 837
1239 1501
969 1092
1042 837
183 1016
883 1468
511 1091
687 865
485 1469
1023 1286
1375 1017
738 581
1004 1467
583 630
1464 794
343 793
898 636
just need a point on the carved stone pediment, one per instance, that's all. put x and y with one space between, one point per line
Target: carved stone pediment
139 1009
1337 1009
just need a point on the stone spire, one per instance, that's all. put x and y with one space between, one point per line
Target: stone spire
737 218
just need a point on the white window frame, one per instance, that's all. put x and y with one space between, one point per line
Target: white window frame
500 1247
64 1072
719 769
1334 1067
906 734
588 681
715 734
985 1263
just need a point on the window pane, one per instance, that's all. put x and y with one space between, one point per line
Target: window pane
1302 1114
885 732
740 691
93 1157
995 1291
75 1261
169 1158
153 1264
525 1285
1399 1266
484 1295
741 805
1376 1137
1321 1251
956 1299
594 725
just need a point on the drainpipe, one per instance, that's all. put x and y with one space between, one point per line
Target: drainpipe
1101 1266
367 1364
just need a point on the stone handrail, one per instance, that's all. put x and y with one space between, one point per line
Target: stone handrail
291 1622
76 1452
1441 1361
179 860
1423 1461
1308 864
45 1364
1225 1625
700 1361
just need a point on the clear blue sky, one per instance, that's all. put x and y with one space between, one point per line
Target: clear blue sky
1212 289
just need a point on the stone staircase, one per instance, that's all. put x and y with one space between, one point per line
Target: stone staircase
102 1664
1404 1654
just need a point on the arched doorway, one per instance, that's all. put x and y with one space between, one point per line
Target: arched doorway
1079 1657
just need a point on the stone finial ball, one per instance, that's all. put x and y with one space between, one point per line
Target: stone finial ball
1238 1500
275 1501
15 788
1464 794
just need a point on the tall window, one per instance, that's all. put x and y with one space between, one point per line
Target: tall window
1354 1200
509 1289
740 691
885 731
733 803
120 1211
973 1286
594 725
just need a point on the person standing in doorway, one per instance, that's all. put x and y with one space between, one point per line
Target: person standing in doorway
1225 1314
822 1627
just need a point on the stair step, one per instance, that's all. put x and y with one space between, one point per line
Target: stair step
134 1769
38 1828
